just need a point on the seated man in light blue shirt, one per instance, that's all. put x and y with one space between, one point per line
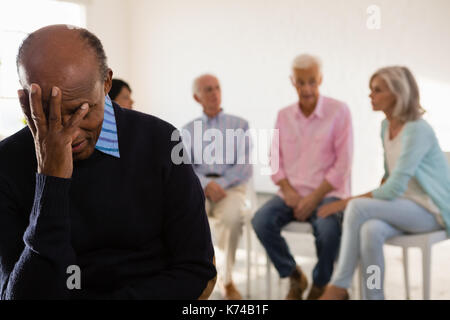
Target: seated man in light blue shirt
219 147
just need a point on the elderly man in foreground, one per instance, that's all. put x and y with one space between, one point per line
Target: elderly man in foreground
91 204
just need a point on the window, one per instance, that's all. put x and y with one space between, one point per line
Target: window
435 97
15 23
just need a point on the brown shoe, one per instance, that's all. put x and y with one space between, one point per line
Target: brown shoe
334 293
315 292
298 284
230 292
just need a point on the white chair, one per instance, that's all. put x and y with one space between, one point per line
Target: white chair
295 227
251 207
425 242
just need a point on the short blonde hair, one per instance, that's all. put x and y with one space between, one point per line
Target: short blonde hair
403 85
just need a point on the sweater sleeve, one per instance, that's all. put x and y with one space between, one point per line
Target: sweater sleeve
415 145
34 263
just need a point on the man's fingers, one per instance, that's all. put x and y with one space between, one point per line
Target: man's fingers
54 116
78 116
37 112
74 133
25 105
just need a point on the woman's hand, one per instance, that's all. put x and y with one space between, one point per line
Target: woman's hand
332 208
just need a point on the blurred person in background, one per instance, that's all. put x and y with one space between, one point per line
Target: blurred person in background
314 152
120 93
415 189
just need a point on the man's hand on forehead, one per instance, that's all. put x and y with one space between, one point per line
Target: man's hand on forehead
53 141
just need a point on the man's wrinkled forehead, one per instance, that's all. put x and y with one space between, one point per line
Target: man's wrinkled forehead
76 79
64 61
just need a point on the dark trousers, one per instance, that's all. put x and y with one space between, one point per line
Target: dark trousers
275 214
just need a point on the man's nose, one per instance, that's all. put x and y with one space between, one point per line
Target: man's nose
307 89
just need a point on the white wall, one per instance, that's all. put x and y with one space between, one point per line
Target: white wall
109 20
250 44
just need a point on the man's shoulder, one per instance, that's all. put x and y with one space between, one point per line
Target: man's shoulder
145 136
136 121
236 119
16 149
288 110
17 142
334 104
191 123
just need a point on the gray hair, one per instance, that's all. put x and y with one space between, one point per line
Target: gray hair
403 85
306 61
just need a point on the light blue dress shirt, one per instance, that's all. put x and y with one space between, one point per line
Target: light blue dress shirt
233 171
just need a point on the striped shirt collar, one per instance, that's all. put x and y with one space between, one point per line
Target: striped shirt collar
108 141
206 118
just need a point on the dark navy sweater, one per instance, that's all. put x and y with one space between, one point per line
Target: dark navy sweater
136 225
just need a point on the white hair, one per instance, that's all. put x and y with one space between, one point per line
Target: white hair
195 88
306 61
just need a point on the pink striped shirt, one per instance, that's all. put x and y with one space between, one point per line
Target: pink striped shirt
315 148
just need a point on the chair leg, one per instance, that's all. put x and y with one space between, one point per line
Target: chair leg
362 284
255 262
406 272
354 285
249 258
280 287
426 271
268 277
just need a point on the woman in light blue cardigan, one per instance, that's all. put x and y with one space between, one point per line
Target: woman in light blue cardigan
414 196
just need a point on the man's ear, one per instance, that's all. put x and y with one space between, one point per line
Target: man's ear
320 79
196 98
108 81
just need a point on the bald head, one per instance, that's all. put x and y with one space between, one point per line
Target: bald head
200 80
73 60
60 47
207 92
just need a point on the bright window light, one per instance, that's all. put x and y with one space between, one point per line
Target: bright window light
435 97
17 19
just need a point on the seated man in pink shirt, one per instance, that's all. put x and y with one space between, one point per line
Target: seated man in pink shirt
314 156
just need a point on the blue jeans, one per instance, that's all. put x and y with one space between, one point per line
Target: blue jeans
275 214
368 223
